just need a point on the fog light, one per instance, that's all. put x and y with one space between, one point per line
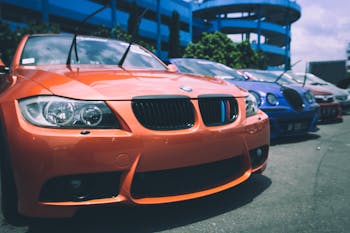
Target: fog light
76 183
259 152
258 156
78 189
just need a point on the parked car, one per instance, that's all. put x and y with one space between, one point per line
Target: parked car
282 105
81 127
329 110
340 95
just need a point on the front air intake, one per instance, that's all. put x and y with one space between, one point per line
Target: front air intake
293 98
164 112
186 180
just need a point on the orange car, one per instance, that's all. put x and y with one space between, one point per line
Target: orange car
88 129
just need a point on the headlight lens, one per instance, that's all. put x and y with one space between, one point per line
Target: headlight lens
256 96
58 112
310 98
271 99
251 105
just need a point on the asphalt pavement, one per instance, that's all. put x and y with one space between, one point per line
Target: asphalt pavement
305 188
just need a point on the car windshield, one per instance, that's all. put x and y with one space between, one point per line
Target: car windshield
209 68
270 76
54 49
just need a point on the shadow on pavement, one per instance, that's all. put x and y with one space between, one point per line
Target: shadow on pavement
296 139
156 217
330 121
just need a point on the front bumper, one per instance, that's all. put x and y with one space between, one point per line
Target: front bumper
345 106
42 155
287 122
330 112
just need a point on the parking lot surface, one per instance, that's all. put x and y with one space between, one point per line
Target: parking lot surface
305 188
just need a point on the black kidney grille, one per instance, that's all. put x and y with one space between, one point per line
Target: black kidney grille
218 110
293 98
164 112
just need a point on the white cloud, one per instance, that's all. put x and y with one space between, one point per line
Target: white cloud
322 32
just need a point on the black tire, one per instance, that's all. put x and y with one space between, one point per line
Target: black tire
9 198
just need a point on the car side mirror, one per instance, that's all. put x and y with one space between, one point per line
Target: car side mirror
172 68
3 68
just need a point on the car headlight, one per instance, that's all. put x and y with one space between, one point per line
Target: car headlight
271 99
310 98
256 96
251 105
58 112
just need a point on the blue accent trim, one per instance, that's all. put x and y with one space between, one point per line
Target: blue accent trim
223 111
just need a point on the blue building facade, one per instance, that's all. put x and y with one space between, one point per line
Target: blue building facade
269 20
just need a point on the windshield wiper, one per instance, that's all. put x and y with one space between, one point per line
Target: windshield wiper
133 36
280 76
76 31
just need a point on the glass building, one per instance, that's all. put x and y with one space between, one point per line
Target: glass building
266 23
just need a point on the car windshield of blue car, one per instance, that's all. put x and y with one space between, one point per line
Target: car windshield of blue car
208 68
54 49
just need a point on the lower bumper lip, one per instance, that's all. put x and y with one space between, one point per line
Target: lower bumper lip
41 154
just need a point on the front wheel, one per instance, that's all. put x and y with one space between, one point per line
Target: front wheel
9 201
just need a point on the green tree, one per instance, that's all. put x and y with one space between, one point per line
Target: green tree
119 34
218 47
174 36
7 44
102 31
213 46
9 39
249 58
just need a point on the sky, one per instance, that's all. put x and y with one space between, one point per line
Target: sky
322 33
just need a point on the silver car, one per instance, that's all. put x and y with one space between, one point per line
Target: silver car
341 95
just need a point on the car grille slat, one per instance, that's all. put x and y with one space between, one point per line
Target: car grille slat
328 112
294 126
164 112
218 110
177 112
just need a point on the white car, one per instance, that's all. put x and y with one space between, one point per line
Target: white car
341 95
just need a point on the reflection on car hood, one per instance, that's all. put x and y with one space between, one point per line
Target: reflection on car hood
105 83
260 87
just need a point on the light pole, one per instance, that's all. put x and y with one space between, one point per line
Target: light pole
159 39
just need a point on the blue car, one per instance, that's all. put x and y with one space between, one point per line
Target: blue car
292 110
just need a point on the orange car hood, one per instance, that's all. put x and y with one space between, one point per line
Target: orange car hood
105 83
